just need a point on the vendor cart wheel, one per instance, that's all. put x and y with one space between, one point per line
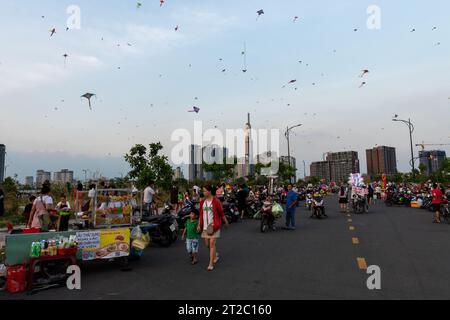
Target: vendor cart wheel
125 264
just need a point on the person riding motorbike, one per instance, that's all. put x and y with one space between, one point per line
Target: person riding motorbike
267 217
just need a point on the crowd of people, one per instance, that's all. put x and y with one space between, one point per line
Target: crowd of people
207 217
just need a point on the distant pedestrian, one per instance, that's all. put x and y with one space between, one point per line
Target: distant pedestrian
291 206
2 203
370 193
343 198
192 235
180 201
27 210
40 216
436 202
149 198
79 197
220 192
241 198
174 197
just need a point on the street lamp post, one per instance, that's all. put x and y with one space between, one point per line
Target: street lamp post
304 169
287 134
411 131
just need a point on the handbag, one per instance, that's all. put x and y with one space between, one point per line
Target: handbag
44 218
210 227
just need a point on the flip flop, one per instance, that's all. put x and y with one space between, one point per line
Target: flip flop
210 268
217 258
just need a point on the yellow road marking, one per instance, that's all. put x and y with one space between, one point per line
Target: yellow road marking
351 228
362 263
355 240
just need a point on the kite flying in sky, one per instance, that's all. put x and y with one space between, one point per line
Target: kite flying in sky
363 73
88 96
362 84
244 54
195 109
52 32
161 2
260 13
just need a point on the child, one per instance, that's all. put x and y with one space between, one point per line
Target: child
192 236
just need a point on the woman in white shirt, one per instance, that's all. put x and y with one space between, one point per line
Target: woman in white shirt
39 216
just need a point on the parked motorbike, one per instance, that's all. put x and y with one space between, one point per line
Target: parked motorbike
168 208
231 211
445 210
359 204
183 214
254 207
163 229
398 198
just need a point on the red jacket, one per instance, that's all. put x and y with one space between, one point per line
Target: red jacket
217 213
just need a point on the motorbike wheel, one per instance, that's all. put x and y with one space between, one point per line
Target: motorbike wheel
446 217
164 240
317 213
264 225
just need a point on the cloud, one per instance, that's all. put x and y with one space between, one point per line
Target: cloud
22 77
88 61
25 76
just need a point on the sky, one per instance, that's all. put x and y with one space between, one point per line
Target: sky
144 89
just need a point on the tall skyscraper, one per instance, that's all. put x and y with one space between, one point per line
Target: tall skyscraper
381 160
195 163
249 163
321 170
178 174
41 177
209 154
62 177
337 167
2 162
29 181
432 160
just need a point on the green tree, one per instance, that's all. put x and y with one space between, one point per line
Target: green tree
221 171
182 184
422 168
313 180
9 185
149 164
285 172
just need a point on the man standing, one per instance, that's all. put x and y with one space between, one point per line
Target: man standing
174 198
291 206
2 205
149 193
436 203
242 200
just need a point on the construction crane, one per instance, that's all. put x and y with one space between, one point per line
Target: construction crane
423 145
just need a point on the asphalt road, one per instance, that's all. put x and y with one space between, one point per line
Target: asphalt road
317 261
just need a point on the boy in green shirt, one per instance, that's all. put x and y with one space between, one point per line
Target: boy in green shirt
192 236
